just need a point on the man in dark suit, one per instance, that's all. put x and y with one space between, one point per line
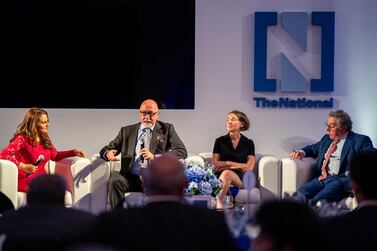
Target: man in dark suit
45 223
356 230
166 222
333 153
137 144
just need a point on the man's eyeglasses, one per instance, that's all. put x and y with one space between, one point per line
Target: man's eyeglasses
331 126
151 114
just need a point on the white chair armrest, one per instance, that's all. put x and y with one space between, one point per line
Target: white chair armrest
63 168
9 180
249 198
100 171
80 169
296 172
269 174
75 171
207 156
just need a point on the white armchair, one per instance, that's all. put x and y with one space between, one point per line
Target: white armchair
267 173
8 180
76 195
90 184
295 173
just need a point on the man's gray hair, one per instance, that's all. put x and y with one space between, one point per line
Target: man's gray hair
343 119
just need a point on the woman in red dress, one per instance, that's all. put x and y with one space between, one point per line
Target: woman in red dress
29 143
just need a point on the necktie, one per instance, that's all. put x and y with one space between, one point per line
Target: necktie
330 151
146 143
147 138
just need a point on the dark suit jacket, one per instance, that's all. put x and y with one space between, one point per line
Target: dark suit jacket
164 138
353 231
45 227
165 226
355 143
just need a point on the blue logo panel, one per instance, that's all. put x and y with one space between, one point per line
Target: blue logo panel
262 21
295 24
327 22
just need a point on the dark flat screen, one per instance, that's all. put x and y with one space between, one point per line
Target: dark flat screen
97 54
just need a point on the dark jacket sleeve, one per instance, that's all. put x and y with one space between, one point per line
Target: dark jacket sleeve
114 144
175 144
314 149
366 144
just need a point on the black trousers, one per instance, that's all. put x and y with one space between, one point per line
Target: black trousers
119 184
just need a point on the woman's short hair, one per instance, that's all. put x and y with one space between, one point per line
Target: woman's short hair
242 118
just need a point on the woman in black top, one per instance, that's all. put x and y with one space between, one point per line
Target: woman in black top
233 153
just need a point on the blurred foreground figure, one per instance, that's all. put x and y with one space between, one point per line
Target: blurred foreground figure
356 230
5 204
166 222
45 224
286 225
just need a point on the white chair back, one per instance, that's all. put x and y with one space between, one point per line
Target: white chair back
207 156
194 160
9 180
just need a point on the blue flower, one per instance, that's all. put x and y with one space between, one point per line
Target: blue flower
202 181
205 188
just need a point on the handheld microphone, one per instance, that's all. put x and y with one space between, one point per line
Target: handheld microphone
142 145
40 158
145 141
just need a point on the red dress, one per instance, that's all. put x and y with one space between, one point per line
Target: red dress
21 149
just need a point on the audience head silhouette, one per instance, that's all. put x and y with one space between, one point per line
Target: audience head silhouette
363 173
47 189
5 203
287 225
164 176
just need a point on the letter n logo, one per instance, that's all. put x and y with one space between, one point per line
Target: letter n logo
295 24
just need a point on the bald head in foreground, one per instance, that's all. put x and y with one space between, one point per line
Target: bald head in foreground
166 222
164 176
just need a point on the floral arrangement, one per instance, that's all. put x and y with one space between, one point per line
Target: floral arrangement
201 181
